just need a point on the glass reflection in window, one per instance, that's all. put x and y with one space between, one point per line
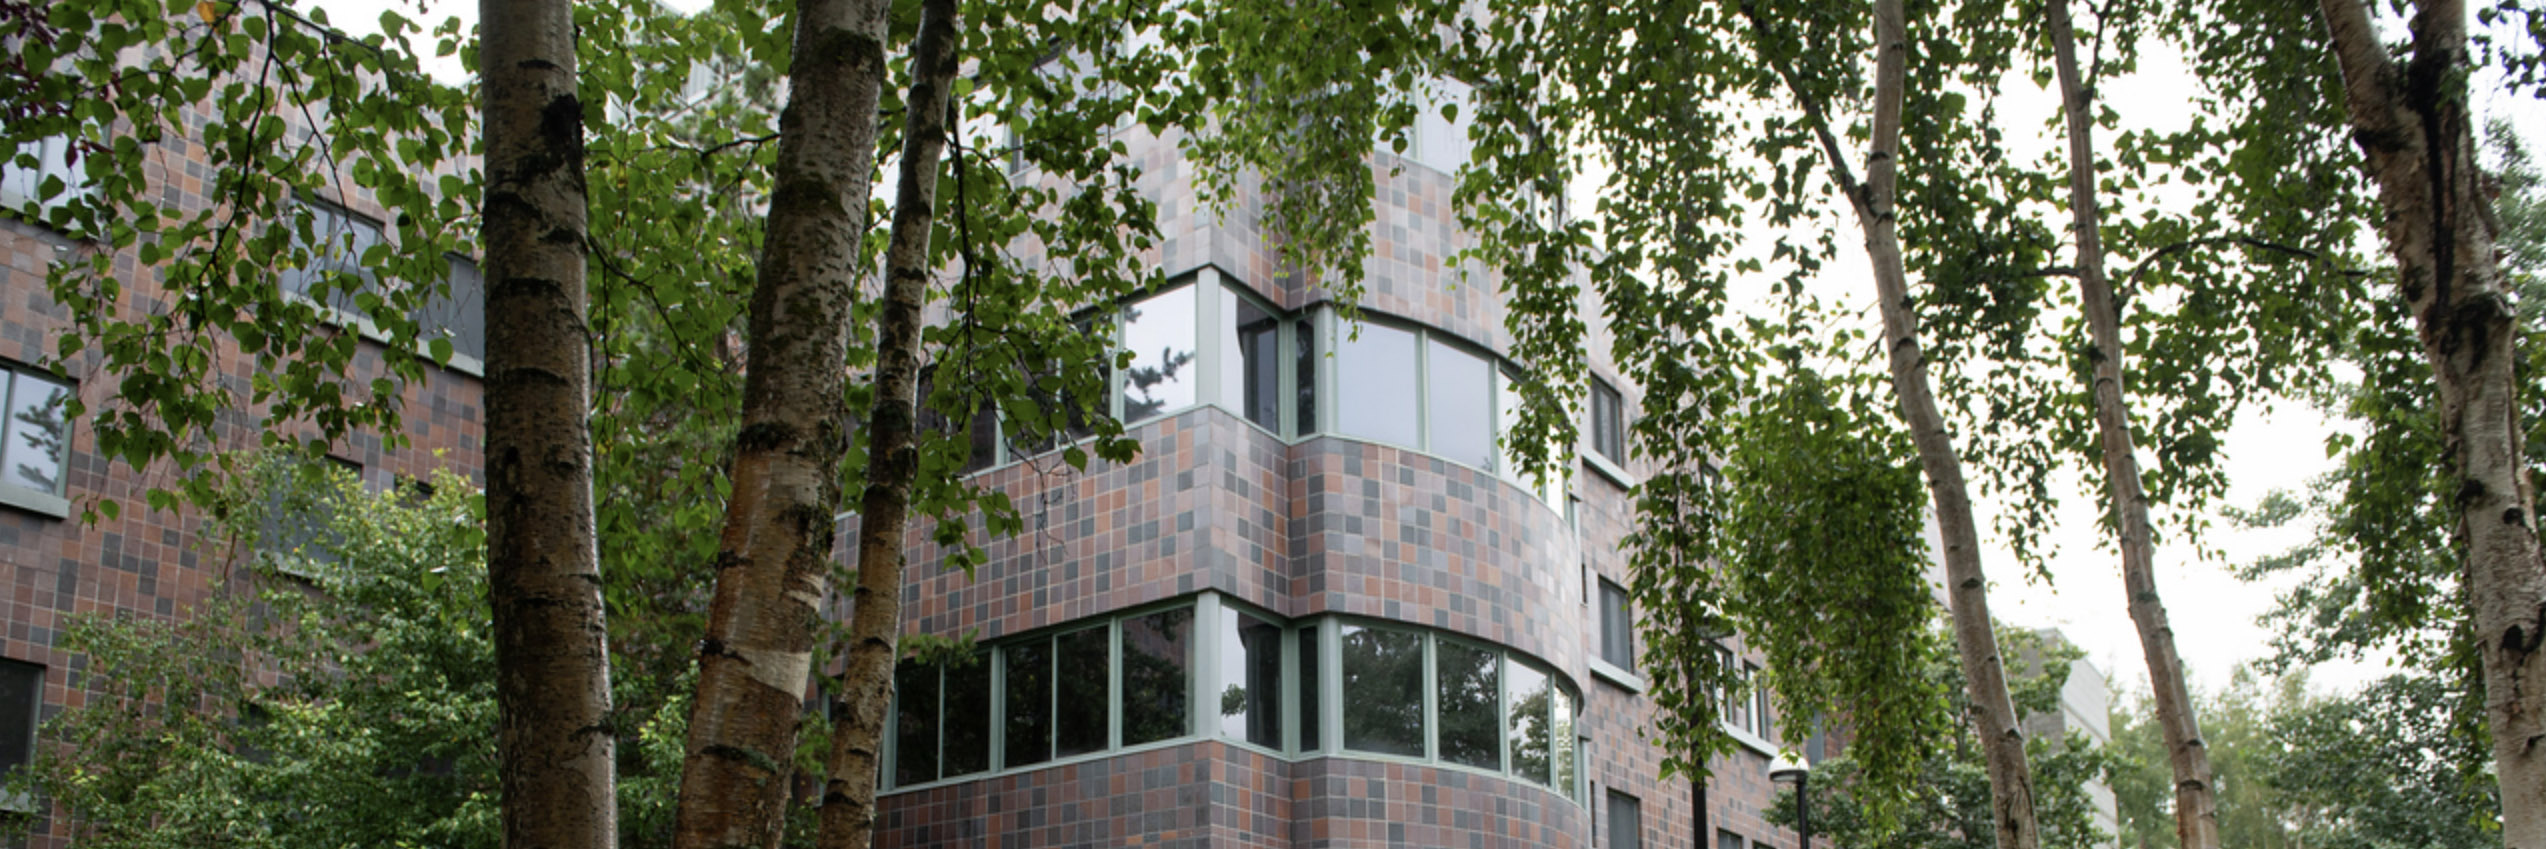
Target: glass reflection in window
915 728
1250 689
1470 713
1250 369
1376 391
1155 675
1532 746
966 722
1160 334
1461 394
38 431
1079 673
1309 710
1029 724
1383 691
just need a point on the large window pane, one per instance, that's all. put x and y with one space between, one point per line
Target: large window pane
1533 744
1375 387
1080 676
1626 822
1461 394
1159 333
1029 703
1309 709
1304 376
915 732
1251 369
459 316
967 716
1383 691
1156 682
1250 687
1617 626
21 688
38 429
1471 718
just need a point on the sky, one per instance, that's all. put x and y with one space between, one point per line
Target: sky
2274 447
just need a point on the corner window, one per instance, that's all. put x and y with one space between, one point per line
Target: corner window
1251 363
1159 332
1608 422
1617 626
38 432
1249 694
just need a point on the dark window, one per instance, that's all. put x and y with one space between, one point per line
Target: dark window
21 705
1304 380
1626 822
967 716
1617 626
1080 674
1534 747
1460 396
1252 367
981 428
1250 691
1160 334
1727 840
1029 702
1383 691
915 691
1310 712
1377 395
460 314
1470 688
1608 422
38 431
1156 675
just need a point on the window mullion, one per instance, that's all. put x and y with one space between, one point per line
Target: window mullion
1431 698
998 661
1113 684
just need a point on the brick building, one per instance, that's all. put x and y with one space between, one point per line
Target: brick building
1320 609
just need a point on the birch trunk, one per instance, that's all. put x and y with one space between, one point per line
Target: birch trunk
2413 124
774 559
2000 730
552 668
2196 805
848 799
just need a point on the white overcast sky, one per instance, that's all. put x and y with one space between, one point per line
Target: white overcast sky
2280 447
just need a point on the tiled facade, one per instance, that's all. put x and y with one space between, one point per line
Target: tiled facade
1300 527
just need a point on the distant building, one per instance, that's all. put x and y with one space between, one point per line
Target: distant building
2086 703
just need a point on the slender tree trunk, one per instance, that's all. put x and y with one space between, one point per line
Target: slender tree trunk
774 561
2413 123
2196 806
552 667
848 800
2001 730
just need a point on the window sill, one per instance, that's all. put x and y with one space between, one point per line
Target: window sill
1625 680
39 503
1753 742
1615 473
362 326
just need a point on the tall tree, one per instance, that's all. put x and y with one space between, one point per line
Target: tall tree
552 663
2412 122
2196 808
774 562
848 798
1876 206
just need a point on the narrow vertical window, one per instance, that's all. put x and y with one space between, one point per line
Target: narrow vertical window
915 691
1156 675
1469 684
1251 369
1608 422
1081 704
1304 377
1617 626
1564 751
1626 822
1159 332
1383 691
1029 721
1534 745
1250 689
1309 708
967 716
21 701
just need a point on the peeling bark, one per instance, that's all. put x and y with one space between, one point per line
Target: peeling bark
554 742
2000 729
2413 124
848 800
2196 805
774 559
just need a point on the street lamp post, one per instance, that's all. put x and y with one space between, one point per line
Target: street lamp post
1786 769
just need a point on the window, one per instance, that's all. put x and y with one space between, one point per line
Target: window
38 438
1157 651
1617 626
1029 720
1608 422
460 314
1304 382
1383 690
1376 389
1727 840
1310 708
1468 699
296 532
21 706
1250 689
1251 364
1534 747
336 241
42 179
1159 332
964 727
1460 399
1626 822
1081 700
915 723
